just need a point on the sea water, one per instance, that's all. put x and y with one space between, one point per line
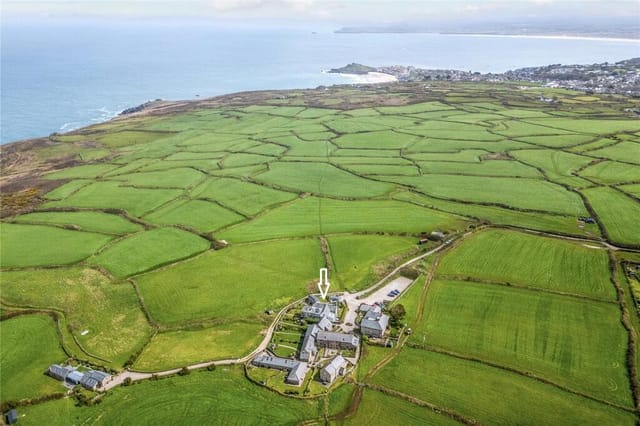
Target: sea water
60 76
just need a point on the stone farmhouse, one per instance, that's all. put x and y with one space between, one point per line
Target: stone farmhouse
297 370
335 368
374 323
321 310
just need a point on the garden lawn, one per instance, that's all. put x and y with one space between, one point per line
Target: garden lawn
238 282
29 344
36 245
150 249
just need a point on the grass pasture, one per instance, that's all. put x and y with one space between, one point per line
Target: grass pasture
531 261
173 349
245 197
359 260
85 221
316 216
618 212
24 360
609 172
223 396
110 313
577 343
173 178
206 287
105 195
478 391
202 215
37 245
146 250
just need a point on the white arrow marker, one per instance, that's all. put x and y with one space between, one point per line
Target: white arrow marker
324 284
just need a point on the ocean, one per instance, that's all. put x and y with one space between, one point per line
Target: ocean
59 76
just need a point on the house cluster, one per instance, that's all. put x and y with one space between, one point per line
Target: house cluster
317 336
374 323
91 380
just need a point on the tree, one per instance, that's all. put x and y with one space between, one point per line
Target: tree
397 313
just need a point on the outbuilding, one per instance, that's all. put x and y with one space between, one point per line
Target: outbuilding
11 417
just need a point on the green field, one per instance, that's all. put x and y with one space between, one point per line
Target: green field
618 212
478 391
360 260
84 221
36 245
313 216
223 396
579 344
173 349
149 249
238 282
531 261
109 313
518 322
29 345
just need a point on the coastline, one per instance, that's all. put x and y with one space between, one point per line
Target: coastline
524 36
370 78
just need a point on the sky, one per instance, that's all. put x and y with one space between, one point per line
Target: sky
337 12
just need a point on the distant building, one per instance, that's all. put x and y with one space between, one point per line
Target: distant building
333 340
437 235
74 378
11 417
319 310
313 299
335 368
94 379
60 372
297 370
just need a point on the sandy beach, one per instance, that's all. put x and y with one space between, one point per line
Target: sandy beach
371 78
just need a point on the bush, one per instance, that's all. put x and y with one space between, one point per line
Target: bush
184 372
127 381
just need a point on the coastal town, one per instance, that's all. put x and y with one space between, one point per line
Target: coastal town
621 78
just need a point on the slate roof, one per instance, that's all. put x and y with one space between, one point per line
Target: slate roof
332 370
342 339
269 361
309 348
298 373
60 372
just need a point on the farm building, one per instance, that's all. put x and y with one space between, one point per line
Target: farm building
319 310
94 379
59 372
333 340
297 370
374 323
334 369
309 348
11 417
268 361
74 378
297 374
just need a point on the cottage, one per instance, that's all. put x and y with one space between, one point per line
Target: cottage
94 379
277 363
374 325
297 374
309 349
60 372
297 370
11 417
335 368
333 340
319 310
